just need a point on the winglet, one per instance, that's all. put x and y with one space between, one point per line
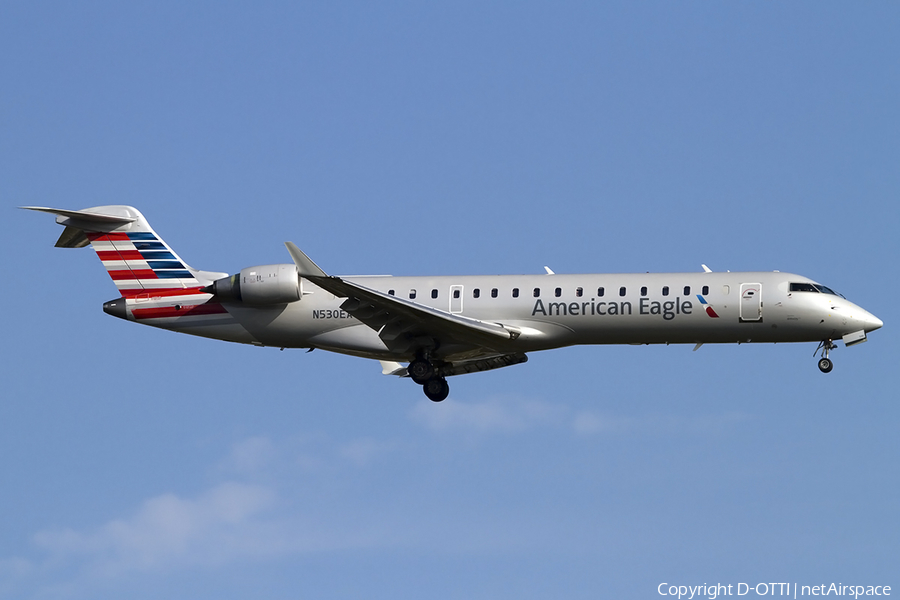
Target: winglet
305 266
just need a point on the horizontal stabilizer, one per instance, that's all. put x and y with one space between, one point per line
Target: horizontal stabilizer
84 216
76 222
72 237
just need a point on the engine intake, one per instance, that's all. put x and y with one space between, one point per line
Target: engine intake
265 284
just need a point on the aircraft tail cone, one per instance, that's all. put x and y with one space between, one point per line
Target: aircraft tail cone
116 308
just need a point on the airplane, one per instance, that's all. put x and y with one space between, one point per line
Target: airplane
442 326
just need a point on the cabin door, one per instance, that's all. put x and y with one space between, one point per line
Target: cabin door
751 302
456 298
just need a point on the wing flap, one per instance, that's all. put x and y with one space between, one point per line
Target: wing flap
461 367
483 364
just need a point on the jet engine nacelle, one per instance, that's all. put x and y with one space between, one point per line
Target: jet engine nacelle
266 284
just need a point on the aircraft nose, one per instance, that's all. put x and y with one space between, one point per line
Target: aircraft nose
872 322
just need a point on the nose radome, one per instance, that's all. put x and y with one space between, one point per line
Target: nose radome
873 323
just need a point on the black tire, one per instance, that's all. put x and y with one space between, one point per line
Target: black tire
420 371
825 365
436 389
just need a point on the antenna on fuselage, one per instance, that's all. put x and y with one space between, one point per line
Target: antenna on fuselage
706 269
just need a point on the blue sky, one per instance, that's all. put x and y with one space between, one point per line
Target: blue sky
423 138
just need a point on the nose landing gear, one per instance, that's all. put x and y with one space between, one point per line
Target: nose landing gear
825 364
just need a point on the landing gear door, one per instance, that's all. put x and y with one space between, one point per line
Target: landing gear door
751 302
456 300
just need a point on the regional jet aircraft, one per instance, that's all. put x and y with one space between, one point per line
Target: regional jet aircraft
442 326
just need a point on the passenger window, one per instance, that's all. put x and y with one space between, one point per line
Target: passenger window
601 291
390 292
455 294
579 292
412 294
705 290
622 291
687 290
558 292
537 292
644 291
665 290
515 292
476 293
434 293
494 293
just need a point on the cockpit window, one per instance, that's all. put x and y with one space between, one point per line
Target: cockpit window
803 287
813 287
825 290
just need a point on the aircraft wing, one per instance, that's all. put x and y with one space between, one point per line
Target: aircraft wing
402 323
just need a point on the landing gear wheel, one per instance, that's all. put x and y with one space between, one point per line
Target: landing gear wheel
421 371
436 389
825 364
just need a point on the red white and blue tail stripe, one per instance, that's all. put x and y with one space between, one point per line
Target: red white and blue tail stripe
140 262
157 287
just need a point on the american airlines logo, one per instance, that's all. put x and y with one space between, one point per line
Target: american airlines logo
709 309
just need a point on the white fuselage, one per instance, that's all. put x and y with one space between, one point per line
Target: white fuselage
551 311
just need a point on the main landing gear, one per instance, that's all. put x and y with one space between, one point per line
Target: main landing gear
422 372
825 364
437 389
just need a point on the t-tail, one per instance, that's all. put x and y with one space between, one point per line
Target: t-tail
140 263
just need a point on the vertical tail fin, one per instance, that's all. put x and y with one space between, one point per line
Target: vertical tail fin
137 260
